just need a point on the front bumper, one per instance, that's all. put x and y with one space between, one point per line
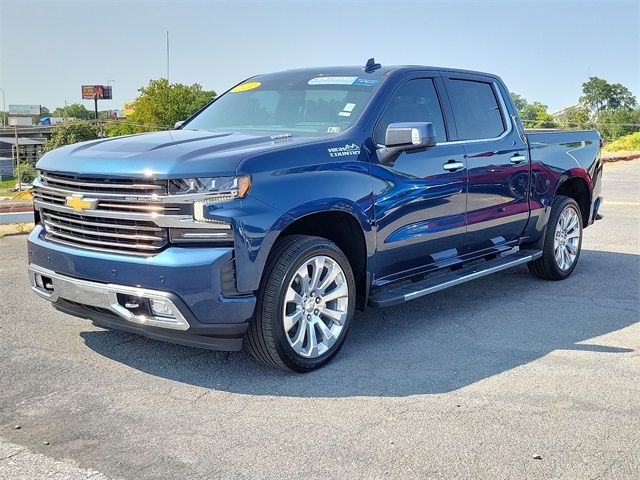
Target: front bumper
186 281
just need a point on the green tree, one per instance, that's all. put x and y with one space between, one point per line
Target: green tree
67 133
75 110
519 101
160 105
613 124
533 115
599 95
44 112
575 117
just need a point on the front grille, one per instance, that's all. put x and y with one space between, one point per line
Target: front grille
123 236
119 220
103 185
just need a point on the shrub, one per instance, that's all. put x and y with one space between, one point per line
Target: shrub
27 173
628 143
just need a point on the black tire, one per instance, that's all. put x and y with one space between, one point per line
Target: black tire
266 338
546 266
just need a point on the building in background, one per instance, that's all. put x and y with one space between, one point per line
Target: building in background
23 115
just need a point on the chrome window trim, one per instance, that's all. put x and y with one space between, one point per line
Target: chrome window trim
506 118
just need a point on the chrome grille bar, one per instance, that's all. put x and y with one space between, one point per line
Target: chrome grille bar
119 226
82 231
102 243
101 184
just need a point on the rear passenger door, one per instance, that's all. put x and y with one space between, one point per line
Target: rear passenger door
496 158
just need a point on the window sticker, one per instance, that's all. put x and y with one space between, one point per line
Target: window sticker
246 86
345 114
332 81
349 107
334 130
366 82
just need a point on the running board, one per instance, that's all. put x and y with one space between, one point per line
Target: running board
401 294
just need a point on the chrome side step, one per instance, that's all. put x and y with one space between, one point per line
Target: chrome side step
396 295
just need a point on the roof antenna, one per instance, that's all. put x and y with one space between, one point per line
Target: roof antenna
371 66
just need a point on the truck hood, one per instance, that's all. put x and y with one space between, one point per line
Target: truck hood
171 154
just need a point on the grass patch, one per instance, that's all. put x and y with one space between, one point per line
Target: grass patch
7 184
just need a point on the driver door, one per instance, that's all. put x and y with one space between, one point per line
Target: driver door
420 199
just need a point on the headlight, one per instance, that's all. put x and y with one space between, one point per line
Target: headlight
208 190
217 189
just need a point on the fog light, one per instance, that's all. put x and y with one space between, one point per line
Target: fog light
160 308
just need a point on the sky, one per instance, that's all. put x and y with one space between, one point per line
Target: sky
543 50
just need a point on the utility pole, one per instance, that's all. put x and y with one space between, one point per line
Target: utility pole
18 160
95 99
167 56
4 110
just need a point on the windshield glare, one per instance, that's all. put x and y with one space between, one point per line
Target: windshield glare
309 105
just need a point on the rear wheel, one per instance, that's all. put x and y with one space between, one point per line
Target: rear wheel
305 304
563 241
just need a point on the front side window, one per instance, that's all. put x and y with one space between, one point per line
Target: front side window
475 109
283 103
415 101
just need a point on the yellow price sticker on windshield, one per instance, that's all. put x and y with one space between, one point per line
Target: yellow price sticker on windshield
246 86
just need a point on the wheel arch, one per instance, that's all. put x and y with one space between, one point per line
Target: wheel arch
578 188
343 228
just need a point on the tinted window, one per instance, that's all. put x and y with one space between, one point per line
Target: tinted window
415 101
475 109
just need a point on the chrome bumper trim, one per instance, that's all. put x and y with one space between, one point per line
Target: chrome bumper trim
104 296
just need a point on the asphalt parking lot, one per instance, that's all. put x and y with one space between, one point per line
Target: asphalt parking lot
504 377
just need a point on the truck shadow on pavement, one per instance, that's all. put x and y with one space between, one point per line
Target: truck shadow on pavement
436 344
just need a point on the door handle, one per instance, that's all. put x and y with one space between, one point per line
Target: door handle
452 166
517 159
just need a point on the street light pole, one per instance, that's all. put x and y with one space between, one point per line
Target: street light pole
167 56
4 112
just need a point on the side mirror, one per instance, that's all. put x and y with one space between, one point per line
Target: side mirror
403 137
177 125
410 136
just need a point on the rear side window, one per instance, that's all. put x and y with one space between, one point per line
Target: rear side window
415 101
476 110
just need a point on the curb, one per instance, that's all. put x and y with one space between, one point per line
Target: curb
621 157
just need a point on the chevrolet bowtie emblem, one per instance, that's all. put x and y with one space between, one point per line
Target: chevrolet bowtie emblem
79 203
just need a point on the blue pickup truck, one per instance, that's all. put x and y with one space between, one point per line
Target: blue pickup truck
271 214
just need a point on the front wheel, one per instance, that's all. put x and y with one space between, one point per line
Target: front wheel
305 304
562 243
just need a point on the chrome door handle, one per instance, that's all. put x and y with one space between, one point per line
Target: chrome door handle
516 159
452 166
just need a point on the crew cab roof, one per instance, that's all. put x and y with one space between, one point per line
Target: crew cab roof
385 70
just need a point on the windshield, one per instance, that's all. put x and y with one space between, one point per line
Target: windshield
289 103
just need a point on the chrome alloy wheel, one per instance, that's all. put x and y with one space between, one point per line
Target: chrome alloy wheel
567 238
316 306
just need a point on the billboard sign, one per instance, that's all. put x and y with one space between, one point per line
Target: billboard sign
128 108
26 110
96 92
